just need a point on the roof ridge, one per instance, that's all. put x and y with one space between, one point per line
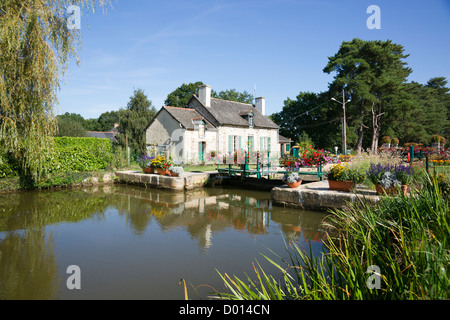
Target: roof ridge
178 108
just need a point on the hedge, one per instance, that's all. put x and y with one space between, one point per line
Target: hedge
70 155
80 154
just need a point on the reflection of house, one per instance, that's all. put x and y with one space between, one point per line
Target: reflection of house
209 124
111 135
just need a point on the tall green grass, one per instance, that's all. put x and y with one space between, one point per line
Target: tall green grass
406 237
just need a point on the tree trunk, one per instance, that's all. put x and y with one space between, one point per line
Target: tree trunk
360 133
376 127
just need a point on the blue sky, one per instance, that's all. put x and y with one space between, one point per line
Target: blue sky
279 46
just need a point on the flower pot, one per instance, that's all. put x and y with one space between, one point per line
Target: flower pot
380 190
148 170
340 185
294 185
163 172
173 174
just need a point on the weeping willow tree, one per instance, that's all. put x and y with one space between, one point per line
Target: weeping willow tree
36 45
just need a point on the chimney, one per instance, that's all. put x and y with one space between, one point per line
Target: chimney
204 94
116 125
260 105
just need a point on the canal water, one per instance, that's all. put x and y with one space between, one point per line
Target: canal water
129 242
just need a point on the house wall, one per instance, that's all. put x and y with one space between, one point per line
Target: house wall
192 146
184 145
164 131
225 132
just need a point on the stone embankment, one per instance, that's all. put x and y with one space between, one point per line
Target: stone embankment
317 196
187 181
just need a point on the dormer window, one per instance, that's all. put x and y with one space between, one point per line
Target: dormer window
200 125
250 120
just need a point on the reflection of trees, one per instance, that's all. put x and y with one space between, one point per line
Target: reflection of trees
300 224
28 267
31 209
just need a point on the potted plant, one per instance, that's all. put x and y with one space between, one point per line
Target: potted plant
388 179
145 162
176 171
342 177
162 165
394 142
292 179
386 140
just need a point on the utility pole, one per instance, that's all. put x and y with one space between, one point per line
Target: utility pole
345 123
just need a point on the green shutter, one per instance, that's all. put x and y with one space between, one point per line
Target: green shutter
261 144
269 144
230 143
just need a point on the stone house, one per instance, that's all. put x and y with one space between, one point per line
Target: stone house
212 125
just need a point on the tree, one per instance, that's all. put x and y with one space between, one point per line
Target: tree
312 114
180 97
372 73
133 121
107 120
233 95
69 128
35 48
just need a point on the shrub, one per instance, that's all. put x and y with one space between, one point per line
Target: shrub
80 154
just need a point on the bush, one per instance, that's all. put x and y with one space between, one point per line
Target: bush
80 154
8 165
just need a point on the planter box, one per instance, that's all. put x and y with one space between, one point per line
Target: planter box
340 185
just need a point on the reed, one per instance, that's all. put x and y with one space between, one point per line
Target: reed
406 237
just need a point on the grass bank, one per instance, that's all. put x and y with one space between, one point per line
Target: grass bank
397 250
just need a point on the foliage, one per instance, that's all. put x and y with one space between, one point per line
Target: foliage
291 177
438 138
395 141
233 95
133 122
313 157
161 162
386 139
145 161
69 128
36 47
343 172
80 154
180 97
405 237
390 174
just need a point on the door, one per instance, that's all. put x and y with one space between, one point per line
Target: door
201 151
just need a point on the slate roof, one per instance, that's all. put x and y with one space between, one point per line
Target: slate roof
185 116
235 113
102 135
282 139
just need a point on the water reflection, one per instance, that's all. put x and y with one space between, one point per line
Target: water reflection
40 231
